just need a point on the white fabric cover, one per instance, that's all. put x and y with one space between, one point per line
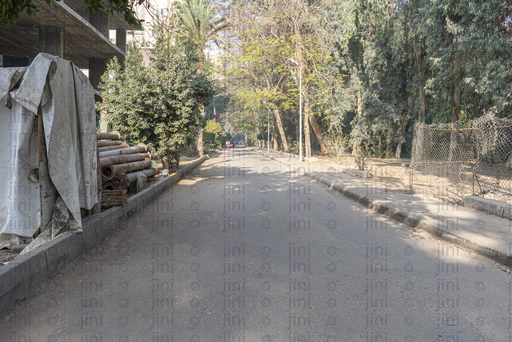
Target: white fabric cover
64 96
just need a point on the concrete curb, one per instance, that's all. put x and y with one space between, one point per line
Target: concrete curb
30 272
491 248
489 206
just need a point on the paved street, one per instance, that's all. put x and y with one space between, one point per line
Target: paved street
244 250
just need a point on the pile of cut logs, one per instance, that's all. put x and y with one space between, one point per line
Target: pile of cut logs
123 167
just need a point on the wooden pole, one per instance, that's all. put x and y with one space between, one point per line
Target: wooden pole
140 148
108 136
124 158
109 171
110 148
105 143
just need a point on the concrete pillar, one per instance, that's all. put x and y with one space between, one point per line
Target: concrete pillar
100 22
121 39
97 68
51 40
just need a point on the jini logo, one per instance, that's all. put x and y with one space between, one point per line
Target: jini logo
233 189
230 224
231 206
298 205
296 189
376 250
295 285
373 224
233 171
294 224
298 251
233 267
233 251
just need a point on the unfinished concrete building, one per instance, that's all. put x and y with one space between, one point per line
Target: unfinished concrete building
65 29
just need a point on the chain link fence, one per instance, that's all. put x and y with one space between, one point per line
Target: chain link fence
452 161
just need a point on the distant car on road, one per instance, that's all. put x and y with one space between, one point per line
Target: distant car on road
229 144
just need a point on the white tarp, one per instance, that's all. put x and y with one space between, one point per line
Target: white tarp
62 94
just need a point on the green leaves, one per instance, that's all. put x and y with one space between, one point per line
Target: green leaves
157 104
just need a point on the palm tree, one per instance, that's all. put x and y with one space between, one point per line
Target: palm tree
198 27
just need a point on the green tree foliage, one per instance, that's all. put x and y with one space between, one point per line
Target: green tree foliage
213 128
468 46
159 104
198 26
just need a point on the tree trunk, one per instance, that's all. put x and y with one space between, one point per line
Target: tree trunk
359 109
421 77
307 137
176 164
403 126
391 128
316 129
200 143
307 131
456 109
279 124
274 137
398 149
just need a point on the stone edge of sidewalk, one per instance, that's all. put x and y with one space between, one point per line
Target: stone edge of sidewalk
30 272
423 222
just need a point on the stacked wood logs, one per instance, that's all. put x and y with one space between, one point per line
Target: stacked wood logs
123 167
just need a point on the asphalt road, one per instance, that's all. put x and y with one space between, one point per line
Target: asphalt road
246 251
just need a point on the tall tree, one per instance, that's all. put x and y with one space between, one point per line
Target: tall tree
198 26
158 105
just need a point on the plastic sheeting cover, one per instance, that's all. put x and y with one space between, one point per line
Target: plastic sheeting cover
65 98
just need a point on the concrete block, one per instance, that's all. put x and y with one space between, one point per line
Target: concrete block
56 255
131 207
108 219
145 195
103 229
150 192
490 206
34 268
89 232
74 245
10 277
116 212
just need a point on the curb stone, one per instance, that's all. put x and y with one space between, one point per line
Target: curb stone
494 249
489 206
31 272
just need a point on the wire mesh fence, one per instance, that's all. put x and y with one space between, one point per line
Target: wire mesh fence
452 161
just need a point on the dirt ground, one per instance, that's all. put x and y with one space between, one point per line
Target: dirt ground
6 255
395 177
388 172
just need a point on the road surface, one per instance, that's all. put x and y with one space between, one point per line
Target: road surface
246 251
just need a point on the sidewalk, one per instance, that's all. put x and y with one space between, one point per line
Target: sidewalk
484 234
